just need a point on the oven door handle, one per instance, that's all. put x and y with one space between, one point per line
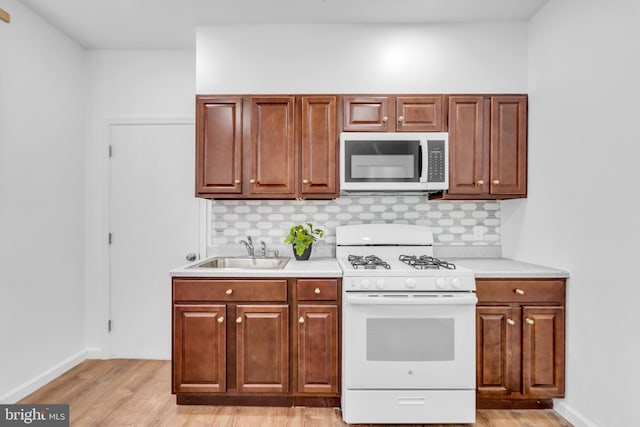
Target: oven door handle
470 299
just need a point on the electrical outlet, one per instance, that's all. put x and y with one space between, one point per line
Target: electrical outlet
478 232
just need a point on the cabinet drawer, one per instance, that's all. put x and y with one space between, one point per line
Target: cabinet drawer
317 289
520 290
194 290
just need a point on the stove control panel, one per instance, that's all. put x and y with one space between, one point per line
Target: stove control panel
409 283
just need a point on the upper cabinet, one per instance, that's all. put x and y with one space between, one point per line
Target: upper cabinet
218 145
487 147
275 146
394 113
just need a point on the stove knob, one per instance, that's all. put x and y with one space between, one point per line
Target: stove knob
364 283
380 283
411 282
456 283
440 283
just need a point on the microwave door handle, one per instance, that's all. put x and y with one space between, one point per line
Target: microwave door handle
422 163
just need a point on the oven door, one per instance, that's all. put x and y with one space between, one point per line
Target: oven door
409 341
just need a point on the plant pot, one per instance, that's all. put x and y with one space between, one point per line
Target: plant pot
305 255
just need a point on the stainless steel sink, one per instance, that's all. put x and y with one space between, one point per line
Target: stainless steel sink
245 263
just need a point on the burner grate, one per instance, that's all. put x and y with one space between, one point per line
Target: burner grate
425 262
369 262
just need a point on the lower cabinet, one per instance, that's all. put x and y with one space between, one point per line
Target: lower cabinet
237 341
520 342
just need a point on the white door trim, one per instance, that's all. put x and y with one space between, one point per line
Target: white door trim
97 307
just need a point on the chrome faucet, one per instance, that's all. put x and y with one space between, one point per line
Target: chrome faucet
248 244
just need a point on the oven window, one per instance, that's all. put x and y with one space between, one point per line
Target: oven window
382 161
403 339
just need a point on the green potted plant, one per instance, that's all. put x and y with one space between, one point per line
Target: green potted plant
302 239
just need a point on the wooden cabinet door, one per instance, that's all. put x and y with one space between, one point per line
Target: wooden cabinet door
218 145
318 146
543 351
262 348
497 351
199 348
318 349
366 113
420 113
509 145
468 146
272 149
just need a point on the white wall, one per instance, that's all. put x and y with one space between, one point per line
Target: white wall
582 210
461 58
133 86
41 202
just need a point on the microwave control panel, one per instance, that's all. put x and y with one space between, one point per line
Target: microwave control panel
436 161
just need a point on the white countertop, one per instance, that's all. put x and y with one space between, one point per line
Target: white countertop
314 267
505 267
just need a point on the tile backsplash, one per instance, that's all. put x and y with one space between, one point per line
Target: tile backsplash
460 228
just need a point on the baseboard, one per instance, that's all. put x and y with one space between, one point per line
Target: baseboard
571 415
30 386
95 353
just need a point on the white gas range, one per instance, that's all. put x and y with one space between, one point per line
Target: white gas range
408 328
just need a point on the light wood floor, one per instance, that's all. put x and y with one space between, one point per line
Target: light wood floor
138 393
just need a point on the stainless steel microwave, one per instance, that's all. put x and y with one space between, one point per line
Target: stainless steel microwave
394 162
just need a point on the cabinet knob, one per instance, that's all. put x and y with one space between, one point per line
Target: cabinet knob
305 181
511 322
495 182
237 181
220 319
239 319
301 319
229 291
518 291
401 119
385 119
480 182
529 321
252 181
316 291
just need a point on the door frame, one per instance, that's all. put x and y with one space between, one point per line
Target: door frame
97 227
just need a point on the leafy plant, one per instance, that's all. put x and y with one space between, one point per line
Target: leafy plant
302 237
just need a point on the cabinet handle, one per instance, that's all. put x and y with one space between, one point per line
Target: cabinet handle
220 319
239 319
511 322
237 181
480 182
401 119
301 319
529 321
252 181
495 182
385 119
316 291
305 181
518 291
229 291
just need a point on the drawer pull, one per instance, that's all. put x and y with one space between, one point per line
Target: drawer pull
220 319
301 319
511 322
496 182
518 291
316 291
480 182
239 319
385 119
229 291
529 321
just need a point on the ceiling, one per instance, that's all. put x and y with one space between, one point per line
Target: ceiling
132 24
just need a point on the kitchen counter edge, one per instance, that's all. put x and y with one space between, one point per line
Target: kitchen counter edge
507 268
314 267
